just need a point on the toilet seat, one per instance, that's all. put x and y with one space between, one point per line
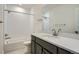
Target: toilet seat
27 42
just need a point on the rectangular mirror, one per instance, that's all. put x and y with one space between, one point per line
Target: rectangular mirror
64 16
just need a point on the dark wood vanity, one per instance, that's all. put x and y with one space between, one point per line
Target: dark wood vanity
39 46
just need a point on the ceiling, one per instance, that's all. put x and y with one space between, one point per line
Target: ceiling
48 6
45 7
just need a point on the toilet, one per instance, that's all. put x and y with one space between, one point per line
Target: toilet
26 43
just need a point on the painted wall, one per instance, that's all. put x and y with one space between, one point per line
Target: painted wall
46 16
1 30
38 22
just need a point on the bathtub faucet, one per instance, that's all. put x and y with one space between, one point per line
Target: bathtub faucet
7 36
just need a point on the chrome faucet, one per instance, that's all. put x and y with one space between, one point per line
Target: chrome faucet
55 33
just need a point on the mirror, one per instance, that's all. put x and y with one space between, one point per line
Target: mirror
64 16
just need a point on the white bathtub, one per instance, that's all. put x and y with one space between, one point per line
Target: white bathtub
15 40
14 43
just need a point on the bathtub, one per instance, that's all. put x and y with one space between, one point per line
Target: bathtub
14 43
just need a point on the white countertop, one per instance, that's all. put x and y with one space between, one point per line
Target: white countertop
68 44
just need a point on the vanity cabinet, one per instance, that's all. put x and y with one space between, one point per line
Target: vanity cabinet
45 45
39 46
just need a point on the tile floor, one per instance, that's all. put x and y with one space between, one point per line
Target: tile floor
24 50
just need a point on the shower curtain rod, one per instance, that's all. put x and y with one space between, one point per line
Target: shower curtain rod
18 12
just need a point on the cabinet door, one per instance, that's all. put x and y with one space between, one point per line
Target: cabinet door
32 47
62 51
38 49
45 52
50 47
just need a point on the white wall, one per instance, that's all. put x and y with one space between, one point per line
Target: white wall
46 22
17 24
1 30
77 19
64 14
14 7
38 23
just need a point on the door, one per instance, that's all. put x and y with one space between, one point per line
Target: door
1 29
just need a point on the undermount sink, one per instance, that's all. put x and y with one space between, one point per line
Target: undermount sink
47 35
50 36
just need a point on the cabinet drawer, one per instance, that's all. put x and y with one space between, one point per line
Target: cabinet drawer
47 46
62 51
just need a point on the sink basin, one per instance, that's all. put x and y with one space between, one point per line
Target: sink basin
51 36
47 35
